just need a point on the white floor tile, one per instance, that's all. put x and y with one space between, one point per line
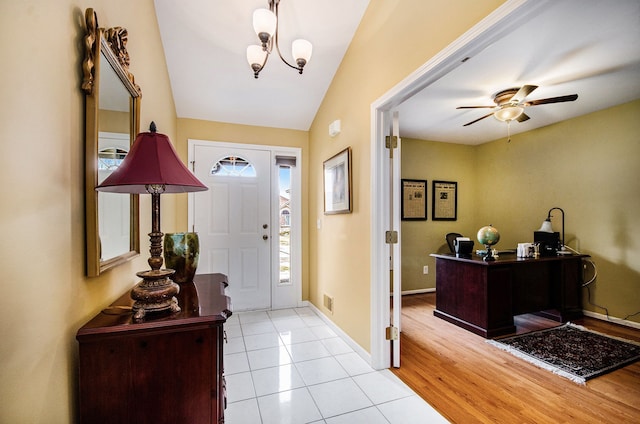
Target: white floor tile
339 397
277 379
410 410
266 358
258 327
312 320
234 345
364 416
232 331
286 324
336 346
262 341
382 386
323 331
243 412
239 387
282 313
298 335
307 351
235 363
247 317
354 364
301 370
290 407
320 370
232 320
305 311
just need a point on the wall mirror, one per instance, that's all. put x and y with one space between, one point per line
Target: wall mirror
112 120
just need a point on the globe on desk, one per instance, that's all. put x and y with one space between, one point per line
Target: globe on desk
488 236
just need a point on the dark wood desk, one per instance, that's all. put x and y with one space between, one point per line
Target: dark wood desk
162 370
483 297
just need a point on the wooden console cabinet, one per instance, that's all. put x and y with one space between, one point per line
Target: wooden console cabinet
483 297
162 370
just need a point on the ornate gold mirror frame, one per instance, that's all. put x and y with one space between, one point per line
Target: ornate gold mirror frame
112 113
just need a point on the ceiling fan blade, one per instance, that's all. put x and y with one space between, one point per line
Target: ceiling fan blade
523 117
559 99
475 107
479 119
524 91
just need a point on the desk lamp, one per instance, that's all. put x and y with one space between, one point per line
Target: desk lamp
548 228
152 166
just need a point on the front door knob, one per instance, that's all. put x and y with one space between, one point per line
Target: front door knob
265 237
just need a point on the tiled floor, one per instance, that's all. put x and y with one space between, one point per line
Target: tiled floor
288 366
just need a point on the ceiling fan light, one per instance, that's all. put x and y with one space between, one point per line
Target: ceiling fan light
508 113
264 24
301 49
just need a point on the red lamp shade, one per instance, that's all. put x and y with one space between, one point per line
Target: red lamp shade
152 160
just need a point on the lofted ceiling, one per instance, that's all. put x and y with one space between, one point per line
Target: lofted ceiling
205 44
587 47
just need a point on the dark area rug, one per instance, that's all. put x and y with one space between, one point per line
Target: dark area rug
571 351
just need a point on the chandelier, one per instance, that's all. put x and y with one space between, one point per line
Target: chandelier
265 24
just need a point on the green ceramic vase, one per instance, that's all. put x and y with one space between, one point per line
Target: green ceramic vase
181 252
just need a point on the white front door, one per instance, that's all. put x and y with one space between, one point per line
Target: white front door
233 221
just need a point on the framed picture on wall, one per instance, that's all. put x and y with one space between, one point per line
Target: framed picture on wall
337 183
414 200
444 205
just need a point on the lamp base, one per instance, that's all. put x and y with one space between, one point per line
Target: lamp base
154 294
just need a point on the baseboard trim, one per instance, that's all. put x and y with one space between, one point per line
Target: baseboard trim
614 320
418 291
352 343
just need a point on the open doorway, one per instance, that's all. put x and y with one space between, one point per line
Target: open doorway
497 25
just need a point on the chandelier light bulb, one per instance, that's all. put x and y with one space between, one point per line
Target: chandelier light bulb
264 24
301 50
255 55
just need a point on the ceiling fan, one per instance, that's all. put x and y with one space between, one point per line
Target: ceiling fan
510 104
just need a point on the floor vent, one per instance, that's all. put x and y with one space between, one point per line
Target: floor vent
328 303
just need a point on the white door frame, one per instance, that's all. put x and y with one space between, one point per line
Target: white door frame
279 299
495 26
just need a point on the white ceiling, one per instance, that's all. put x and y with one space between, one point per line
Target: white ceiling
587 47
205 43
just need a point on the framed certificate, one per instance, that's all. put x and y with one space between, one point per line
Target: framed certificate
414 200
444 201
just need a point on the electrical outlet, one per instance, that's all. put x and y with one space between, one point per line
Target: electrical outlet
425 269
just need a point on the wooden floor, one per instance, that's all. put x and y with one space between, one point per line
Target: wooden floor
469 381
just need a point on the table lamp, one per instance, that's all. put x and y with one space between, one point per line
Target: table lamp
546 227
152 166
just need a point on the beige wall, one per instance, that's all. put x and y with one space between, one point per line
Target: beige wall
232 133
428 160
588 166
46 297
394 38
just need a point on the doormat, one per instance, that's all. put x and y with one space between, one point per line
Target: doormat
571 351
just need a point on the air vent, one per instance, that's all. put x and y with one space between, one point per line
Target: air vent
328 303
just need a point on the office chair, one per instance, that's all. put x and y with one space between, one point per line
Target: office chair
451 238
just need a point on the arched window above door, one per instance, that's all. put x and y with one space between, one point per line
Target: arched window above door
233 166
110 158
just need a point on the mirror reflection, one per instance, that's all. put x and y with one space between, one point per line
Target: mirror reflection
112 121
